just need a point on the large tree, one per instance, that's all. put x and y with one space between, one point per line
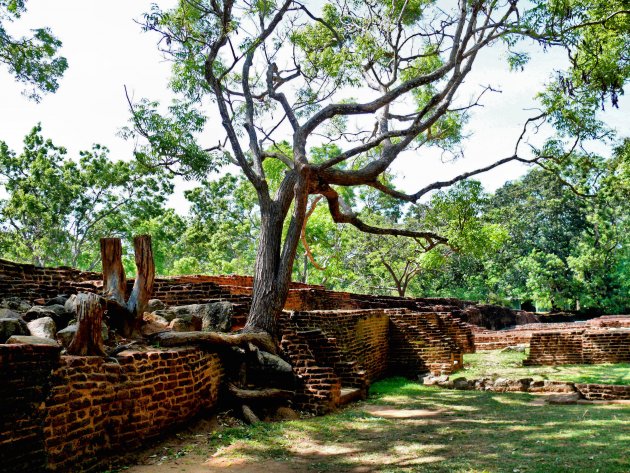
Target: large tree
378 78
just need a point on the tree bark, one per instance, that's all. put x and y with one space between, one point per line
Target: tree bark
268 296
143 286
88 341
114 280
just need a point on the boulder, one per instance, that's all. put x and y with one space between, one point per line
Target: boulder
16 304
461 383
44 327
59 300
515 348
70 306
211 317
10 327
155 304
53 311
9 314
66 335
184 324
431 380
29 340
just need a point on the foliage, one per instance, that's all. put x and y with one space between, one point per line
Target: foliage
32 60
57 208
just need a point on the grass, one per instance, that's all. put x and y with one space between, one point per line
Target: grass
407 427
495 364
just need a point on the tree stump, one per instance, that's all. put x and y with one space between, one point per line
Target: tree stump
143 286
88 341
114 280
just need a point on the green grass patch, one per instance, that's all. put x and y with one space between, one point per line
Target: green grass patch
495 364
408 427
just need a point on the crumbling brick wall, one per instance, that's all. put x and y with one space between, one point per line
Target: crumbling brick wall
419 343
555 348
25 379
30 282
588 345
67 412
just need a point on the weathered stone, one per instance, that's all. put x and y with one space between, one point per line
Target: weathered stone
59 300
461 383
9 314
31 340
66 335
215 316
564 398
44 327
515 349
16 304
36 312
10 327
181 324
431 380
70 305
155 304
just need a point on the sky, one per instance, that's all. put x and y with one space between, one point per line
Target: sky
106 50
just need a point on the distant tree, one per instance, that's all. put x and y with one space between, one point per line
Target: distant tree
58 208
32 60
279 71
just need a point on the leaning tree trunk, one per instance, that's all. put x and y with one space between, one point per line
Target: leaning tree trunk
270 291
114 280
275 257
88 341
143 286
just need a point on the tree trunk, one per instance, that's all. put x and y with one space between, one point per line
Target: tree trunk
88 341
269 294
114 280
143 286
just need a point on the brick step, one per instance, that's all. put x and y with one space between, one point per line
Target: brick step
349 395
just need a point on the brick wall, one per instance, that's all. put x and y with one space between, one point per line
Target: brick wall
419 343
30 282
598 392
24 385
555 348
72 411
588 345
606 346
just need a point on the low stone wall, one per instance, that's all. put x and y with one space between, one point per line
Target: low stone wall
72 411
589 392
589 346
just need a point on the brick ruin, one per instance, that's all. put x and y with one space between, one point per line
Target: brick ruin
64 410
588 346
